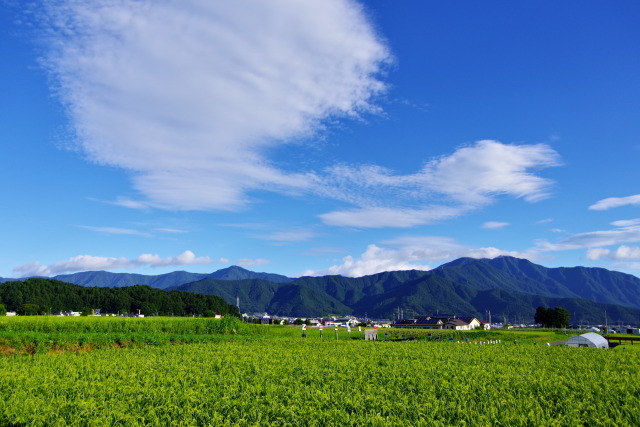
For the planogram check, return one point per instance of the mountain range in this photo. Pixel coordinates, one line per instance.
(105, 279)
(509, 288)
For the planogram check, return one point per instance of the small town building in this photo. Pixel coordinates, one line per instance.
(443, 321)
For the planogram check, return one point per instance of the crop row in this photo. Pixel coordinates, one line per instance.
(330, 383)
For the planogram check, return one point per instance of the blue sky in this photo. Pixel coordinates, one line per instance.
(330, 137)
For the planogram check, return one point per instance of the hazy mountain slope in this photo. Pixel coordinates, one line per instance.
(483, 275)
(425, 295)
(352, 290)
(164, 281)
(238, 273)
(522, 276)
(115, 280)
(255, 295)
(284, 299)
(595, 284)
(517, 308)
(295, 300)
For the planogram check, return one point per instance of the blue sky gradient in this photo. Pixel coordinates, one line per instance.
(316, 138)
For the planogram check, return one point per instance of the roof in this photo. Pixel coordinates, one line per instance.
(426, 320)
(458, 322)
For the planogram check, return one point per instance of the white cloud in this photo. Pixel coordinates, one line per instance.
(252, 262)
(626, 222)
(622, 253)
(468, 179)
(90, 263)
(408, 253)
(190, 95)
(299, 235)
(628, 265)
(185, 258)
(171, 230)
(615, 202)
(593, 239)
(373, 260)
(595, 254)
(378, 217)
(116, 230)
(494, 225)
(475, 173)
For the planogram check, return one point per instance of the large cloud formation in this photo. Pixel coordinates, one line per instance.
(189, 95)
(192, 96)
(91, 262)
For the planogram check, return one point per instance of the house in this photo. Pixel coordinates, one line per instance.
(465, 323)
(462, 324)
(425, 322)
(443, 321)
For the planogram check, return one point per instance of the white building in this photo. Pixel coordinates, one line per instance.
(590, 339)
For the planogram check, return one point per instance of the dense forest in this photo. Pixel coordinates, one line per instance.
(35, 296)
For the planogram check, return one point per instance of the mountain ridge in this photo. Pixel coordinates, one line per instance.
(466, 285)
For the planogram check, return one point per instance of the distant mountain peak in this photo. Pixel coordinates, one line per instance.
(235, 272)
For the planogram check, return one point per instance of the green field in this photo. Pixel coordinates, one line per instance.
(182, 371)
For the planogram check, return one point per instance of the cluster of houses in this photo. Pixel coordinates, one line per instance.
(438, 321)
(443, 321)
(266, 319)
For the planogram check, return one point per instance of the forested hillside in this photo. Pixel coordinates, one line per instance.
(53, 296)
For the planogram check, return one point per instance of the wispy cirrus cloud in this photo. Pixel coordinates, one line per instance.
(378, 217)
(600, 245)
(295, 235)
(592, 239)
(190, 96)
(246, 262)
(494, 225)
(627, 222)
(615, 202)
(449, 186)
(172, 230)
(91, 262)
(117, 230)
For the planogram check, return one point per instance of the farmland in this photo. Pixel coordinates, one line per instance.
(197, 372)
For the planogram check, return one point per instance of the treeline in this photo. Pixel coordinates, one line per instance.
(557, 317)
(36, 296)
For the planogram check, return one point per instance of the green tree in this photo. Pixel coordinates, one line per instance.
(30, 310)
(558, 317)
(541, 317)
(3, 310)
